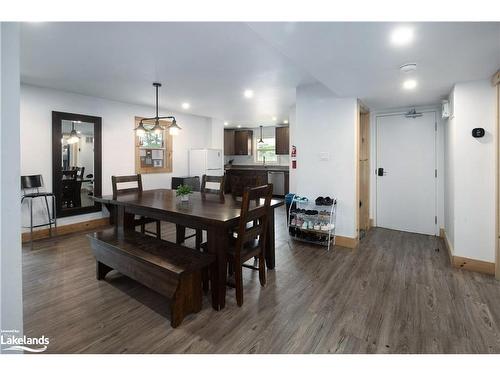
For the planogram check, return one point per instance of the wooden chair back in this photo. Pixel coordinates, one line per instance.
(254, 209)
(70, 174)
(115, 180)
(213, 179)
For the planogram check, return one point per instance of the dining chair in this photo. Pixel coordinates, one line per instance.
(117, 190)
(199, 245)
(219, 180)
(69, 188)
(250, 239)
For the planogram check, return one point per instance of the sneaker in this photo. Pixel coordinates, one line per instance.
(319, 201)
(327, 201)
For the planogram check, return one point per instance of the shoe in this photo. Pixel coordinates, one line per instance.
(327, 201)
(319, 201)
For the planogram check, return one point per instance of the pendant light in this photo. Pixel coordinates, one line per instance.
(73, 136)
(140, 130)
(260, 140)
(173, 129)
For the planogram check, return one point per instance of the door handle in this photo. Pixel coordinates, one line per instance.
(381, 172)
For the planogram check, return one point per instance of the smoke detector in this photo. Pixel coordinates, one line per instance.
(407, 68)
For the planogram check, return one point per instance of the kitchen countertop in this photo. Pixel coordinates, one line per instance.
(258, 167)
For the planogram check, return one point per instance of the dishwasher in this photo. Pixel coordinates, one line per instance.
(277, 178)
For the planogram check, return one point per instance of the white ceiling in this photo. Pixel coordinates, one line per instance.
(209, 65)
(358, 59)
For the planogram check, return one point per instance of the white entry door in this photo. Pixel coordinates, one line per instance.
(406, 173)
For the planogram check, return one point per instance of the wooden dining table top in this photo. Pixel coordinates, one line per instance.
(205, 207)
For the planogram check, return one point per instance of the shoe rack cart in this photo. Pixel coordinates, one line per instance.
(312, 223)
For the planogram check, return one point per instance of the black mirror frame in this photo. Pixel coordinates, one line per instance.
(57, 118)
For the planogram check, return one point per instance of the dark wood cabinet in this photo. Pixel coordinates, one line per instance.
(243, 142)
(238, 178)
(282, 140)
(238, 142)
(228, 142)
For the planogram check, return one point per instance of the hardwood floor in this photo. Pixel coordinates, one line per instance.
(394, 294)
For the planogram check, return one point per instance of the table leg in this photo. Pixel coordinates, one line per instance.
(180, 234)
(270, 241)
(124, 221)
(112, 213)
(217, 244)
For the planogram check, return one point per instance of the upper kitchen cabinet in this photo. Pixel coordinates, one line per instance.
(228, 142)
(238, 142)
(282, 140)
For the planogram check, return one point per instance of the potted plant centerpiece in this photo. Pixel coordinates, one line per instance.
(183, 191)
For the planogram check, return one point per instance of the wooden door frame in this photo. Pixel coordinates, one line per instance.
(362, 109)
(495, 80)
(436, 160)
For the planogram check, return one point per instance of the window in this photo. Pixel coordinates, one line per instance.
(267, 149)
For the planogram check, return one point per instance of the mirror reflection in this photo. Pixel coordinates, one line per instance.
(77, 147)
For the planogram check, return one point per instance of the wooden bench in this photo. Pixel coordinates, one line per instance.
(170, 269)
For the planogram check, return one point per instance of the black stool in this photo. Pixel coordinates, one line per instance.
(33, 183)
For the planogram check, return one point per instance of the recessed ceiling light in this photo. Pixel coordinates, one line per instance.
(186, 105)
(239, 126)
(274, 118)
(226, 123)
(402, 36)
(409, 84)
(285, 121)
(248, 94)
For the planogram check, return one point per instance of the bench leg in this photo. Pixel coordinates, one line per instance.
(187, 298)
(101, 270)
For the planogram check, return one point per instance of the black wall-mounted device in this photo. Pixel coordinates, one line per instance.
(478, 132)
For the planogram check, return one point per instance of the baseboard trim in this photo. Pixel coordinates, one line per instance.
(348, 242)
(474, 265)
(466, 263)
(66, 229)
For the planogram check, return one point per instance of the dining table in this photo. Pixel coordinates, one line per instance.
(209, 212)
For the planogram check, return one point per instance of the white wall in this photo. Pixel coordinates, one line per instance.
(326, 126)
(440, 157)
(37, 105)
(470, 188)
(11, 298)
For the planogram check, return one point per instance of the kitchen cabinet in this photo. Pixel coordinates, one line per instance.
(228, 142)
(238, 178)
(282, 140)
(238, 142)
(243, 140)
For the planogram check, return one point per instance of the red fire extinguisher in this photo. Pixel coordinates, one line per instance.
(294, 157)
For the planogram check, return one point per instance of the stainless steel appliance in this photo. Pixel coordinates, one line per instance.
(277, 178)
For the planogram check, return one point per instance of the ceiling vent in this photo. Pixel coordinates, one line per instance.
(412, 113)
(408, 68)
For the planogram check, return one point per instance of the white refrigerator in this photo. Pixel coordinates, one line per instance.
(205, 161)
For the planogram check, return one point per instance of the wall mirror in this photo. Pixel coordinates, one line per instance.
(76, 162)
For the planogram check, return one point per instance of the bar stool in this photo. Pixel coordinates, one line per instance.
(31, 190)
